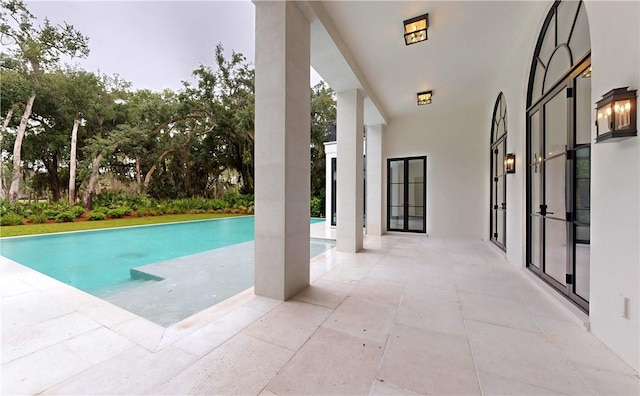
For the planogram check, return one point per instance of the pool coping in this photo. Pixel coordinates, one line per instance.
(138, 329)
(118, 227)
(142, 225)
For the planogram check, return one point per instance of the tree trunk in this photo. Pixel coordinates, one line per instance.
(5, 124)
(138, 176)
(93, 180)
(247, 178)
(52, 171)
(147, 177)
(246, 171)
(14, 191)
(72, 161)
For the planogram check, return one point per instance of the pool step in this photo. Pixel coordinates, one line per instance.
(122, 287)
(141, 275)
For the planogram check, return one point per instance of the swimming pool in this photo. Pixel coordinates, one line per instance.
(96, 261)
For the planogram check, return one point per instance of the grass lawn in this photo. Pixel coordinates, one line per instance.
(34, 229)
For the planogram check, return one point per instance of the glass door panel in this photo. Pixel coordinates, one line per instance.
(536, 234)
(416, 199)
(535, 192)
(582, 223)
(536, 141)
(554, 182)
(583, 269)
(583, 109)
(501, 226)
(396, 195)
(556, 125)
(553, 208)
(555, 249)
(536, 189)
(396, 221)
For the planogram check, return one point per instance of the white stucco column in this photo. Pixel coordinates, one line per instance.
(350, 115)
(375, 221)
(282, 119)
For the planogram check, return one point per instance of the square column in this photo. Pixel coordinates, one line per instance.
(282, 156)
(350, 166)
(375, 222)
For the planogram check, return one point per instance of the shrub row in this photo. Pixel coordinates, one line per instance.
(111, 204)
(37, 212)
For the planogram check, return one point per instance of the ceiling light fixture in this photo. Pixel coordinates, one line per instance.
(415, 29)
(424, 98)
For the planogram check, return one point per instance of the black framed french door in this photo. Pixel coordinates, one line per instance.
(334, 191)
(558, 185)
(407, 194)
(498, 183)
(498, 220)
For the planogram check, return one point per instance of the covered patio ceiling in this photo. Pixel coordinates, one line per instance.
(360, 45)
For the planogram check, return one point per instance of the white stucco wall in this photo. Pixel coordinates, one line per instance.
(615, 188)
(512, 80)
(455, 142)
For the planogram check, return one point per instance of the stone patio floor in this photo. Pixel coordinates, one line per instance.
(408, 315)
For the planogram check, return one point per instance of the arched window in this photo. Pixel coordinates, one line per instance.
(498, 224)
(563, 43)
(559, 152)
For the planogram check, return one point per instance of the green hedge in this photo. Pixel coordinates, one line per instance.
(115, 205)
(10, 219)
(96, 215)
(65, 217)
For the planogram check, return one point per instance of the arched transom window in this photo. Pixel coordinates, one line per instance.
(565, 42)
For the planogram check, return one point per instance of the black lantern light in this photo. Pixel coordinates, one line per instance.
(415, 29)
(616, 115)
(424, 98)
(510, 163)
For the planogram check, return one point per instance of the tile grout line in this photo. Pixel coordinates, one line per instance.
(555, 347)
(466, 332)
(199, 358)
(91, 366)
(333, 309)
(388, 341)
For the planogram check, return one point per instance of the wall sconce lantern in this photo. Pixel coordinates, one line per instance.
(510, 163)
(415, 29)
(616, 115)
(424, 98)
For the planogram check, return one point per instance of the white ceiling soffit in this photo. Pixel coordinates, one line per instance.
(332, 60)
(360, 44)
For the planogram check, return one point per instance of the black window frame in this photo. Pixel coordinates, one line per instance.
(405, 190)
(498, 140)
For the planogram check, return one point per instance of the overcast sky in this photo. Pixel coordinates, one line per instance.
(154, 44)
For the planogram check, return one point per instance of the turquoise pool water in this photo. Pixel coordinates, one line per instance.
(94, 261)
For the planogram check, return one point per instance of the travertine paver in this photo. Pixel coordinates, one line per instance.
(441, 316)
